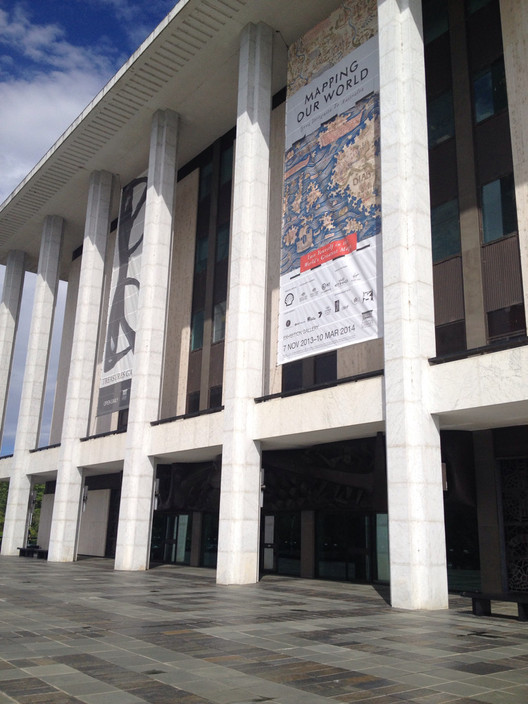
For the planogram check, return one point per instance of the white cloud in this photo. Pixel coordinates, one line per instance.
(34, 113)
(46, 46)
(49, 83)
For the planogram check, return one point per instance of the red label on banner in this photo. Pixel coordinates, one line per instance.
(330, 251)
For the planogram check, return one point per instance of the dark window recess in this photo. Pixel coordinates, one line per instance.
(325, 368)
(211, 263)
(445, 230)
(440, 118)
(489, 91)
(122, 420)
(474, 5)
(215, 397)
(443, 176)
(206, 179)
(499, 211)
(197, 325)
(450, 337)
(292, 376)
(506, 322)
(200, 260)
(435, 19)
(305, 373)
(470, 171)
(222, 242)
(484, 36)
(219, 321)
(193, 402)
(226, 165)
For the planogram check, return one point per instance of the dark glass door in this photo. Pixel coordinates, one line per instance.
(281, 538)
(343, 546)
(171, 538)
(209, 539)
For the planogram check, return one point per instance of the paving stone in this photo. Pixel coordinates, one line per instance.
(80, 632)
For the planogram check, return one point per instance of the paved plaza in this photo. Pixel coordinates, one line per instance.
(81, 632)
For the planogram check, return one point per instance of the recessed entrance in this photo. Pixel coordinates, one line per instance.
(171, 538)
(185, 522)
(325, 512)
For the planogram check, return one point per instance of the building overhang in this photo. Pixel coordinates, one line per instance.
(189, 64)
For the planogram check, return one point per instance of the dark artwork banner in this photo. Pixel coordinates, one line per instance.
(116, 374)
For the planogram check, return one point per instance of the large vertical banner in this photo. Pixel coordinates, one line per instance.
(330, 283)
(116, 376)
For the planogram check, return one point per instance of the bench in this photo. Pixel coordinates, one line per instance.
(481, 602)
(33, 551)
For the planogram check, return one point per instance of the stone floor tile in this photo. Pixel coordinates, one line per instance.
(172, 635)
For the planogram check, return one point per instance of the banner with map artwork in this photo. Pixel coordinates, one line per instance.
(330, 282)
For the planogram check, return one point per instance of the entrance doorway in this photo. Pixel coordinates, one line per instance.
(281, 544)
(171, 538)
(342, 545)
(325, 511)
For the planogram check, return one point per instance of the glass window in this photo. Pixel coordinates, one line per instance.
(292, 376)
(200, 260)
(226, 165)
(197, 325)
(440, 119)
(325, 368)
(222, 243)
(193, 402)
(445, 230)
(450, 337)
(489, 91)
(499, 213)
(474, 5)
(215, 397)
(219, 319)
(206, 179)
(506, 321)
(382, 547)
(435, 19)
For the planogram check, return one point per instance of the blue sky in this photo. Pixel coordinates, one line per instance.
(55, 56)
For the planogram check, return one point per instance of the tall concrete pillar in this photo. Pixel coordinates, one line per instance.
(78, 400)
(9, 312)
(29, 417)
(414, 475)
(238, 539)
(514, 19)
(135, 513)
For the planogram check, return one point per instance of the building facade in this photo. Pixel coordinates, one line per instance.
(295, 241)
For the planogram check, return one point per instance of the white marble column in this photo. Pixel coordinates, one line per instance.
(80, 379)
(238, 540)
(514, 20)
(9, 312)
(414, 477)
(29, 417)
(135, 513)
